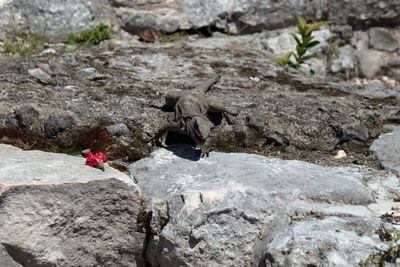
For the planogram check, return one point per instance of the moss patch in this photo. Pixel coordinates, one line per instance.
(25, 46)
(90, 37)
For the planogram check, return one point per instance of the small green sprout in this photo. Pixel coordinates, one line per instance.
(303, 45)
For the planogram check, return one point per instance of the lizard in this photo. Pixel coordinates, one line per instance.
(190, 115)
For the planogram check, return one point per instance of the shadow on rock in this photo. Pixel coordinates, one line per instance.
(184, 151)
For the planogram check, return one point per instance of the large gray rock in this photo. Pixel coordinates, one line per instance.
(238, 16)
(50, 19)
(55, 211)
(387, 148)
(246, 210)
(56, 19)
(344, 62)
(382, 39)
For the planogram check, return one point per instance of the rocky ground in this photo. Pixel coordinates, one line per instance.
(111, 98)
(162, 207)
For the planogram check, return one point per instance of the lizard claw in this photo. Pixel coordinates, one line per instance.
(205, 152)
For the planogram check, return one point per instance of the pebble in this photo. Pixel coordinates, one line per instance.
(340, 154)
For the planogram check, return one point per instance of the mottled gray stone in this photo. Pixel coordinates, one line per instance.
(377, 90)
(301, 242)
(56, 211)
(371, 61)
(134, 21)
(50, 19)
(387, 149)
(118, 129)
(39, 74)
(57, 123)
(345, 61)
(382, 39)
(260, 208)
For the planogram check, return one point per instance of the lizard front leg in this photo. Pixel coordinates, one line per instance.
(206, 148)
(169, 126)
(219, 108)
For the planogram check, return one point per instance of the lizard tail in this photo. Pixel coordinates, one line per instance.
(205, 87)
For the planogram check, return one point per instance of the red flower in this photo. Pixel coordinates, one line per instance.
(96, 160)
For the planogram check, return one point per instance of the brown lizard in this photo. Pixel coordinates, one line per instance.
(190, 115)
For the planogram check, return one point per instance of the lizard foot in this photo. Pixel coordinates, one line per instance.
(205, 152)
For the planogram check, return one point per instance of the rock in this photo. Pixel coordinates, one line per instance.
(387, 149)
(118, 129)
(371, 61)
(259, 210)
(340, 154)
(337, 238)
(40, 75)
(57, 123)
(53, 20)
(134, 21)
(26, 116)
(257, 122)
(376, 90)
(346, 32)
(351, 131)
(382, 39)
(275, 139)
(288, 102)
(56, 211)
(344, 62)
(120, 64)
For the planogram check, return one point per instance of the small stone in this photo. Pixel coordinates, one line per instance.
(382, 39)
(48, 51)
(275, 139)
(388, 81)
(118, 129)
(40, 75)
(97, 76)
(85, 152)
(340, 154)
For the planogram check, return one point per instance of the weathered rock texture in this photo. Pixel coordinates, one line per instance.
(55, 211)
(91, 93)
(53, 20)
(249, 210)
(56, 19)
(387, 148)
(251, 16)
(228, 209)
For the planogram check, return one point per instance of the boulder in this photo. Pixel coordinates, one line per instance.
(248, 210)
(251, 16)
(56, 19)
(382, 39)
(387, 148)
(53, 20)
(56, 211)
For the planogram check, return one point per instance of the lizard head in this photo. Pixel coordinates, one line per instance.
(199, 129)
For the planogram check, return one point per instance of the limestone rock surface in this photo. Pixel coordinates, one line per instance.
(387, 148)
(55, 211)
(248, 210)
(48, 19)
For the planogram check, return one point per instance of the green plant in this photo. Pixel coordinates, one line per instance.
(90, 37)
(390, 255)
(25, 45)
(303, 45)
